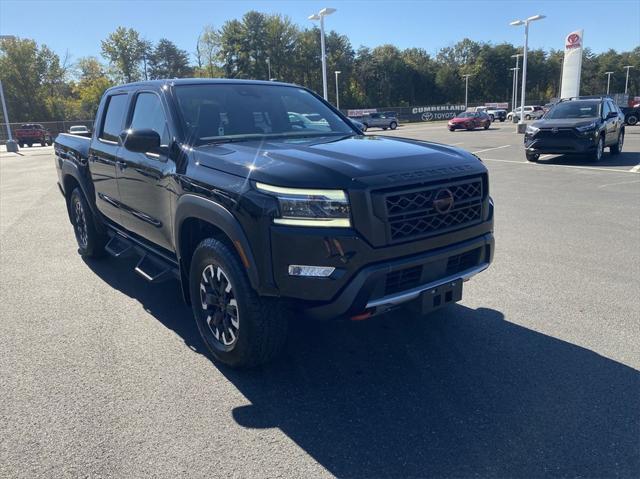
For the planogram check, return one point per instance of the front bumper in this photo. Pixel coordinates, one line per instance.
(572, 145)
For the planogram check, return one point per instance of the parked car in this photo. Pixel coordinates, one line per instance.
(469, 120)
(530, 112)
(577, 126)
(258, 219)
(79, 130)
(303, 122)
(358, 124)
(30, 133)
(494, 113)
(379, 120)
(631, 115)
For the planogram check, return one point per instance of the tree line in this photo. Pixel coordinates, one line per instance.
(40, 85)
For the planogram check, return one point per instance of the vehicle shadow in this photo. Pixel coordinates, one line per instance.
(459, 393)
(624, 159)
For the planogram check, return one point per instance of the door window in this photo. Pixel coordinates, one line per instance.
(149, 114)
(113, 117)
(605, 109)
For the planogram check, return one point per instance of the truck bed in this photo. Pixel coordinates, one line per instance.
(67, 143)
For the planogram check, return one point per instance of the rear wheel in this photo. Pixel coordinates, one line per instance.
(29, 144)
(493, 118)
(532, 157)
(617, 148)
(240, 328)
(452, 128)
(21, 145)
(501, 120)
(597, 154)
(487, 125)
(393, 125)
(90, 241)
(527, 117)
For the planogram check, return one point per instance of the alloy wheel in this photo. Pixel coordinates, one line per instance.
(219, 306)
(80, 224)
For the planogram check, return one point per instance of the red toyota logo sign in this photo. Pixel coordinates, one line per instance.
(573, 41)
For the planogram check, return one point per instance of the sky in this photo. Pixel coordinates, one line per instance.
(79, 26)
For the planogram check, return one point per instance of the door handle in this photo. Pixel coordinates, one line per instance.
(121, 164)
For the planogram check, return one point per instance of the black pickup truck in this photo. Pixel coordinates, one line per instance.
(260, 215)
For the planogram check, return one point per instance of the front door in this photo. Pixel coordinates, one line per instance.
(144, 179)
(103, 156)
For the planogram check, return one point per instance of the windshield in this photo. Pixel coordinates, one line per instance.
(220, 112)
(465, 115)
(574, 109)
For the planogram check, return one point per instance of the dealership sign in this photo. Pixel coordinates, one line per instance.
(433, 112)
(572, 65)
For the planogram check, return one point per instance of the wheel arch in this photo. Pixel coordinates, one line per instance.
(197, 218)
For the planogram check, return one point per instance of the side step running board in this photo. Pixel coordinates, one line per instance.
(153, 270)
(118, 246)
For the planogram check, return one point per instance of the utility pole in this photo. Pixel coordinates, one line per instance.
(320, 16)
(12, 145)
(608, 80)
(466, 90)
(626, 82)
(337, 72)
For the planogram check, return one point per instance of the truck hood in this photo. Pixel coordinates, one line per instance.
(563, 122)
(338, 163)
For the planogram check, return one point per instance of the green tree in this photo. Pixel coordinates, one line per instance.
(168, 61)
(125, 51)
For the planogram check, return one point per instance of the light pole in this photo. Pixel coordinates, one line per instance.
(337, 72)
(626, 82)
(269, 65)
(514, 93)
(466, 90)
(320, 16)
(515, 84)
(12, 145)
(608, 80)
(521, 124)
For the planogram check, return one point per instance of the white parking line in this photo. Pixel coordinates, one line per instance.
(489, 149)
(614, 170)
(635, 169)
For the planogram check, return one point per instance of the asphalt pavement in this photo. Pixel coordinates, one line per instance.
(534, 374)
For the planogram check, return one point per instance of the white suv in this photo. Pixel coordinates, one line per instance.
(531, 112)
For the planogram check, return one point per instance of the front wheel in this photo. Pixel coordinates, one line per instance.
(486, 125)
(90, 240)
(501, 120)
(617, 148)
(493, 118)
(527, 117)
(240, 328)
(452, 128)
(393, 125)
(532, 157)
(364, 127)
(597, 154)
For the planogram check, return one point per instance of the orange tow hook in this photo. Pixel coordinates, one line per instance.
(362, 316)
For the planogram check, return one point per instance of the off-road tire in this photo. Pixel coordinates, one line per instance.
(262, 321)
(632, 120)
(617, 148)
(90, 240)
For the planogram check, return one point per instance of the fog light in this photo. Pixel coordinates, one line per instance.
(312, 271)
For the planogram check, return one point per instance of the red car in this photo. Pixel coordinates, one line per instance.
(31, 133)
(470, 120)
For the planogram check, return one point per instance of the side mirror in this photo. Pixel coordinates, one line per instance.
(141, 141)
(612, 114)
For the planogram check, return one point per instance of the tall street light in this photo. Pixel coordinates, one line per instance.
(320, 16)
(514, 92)
(269, 65)
(516, 23)
(12, 145)
(515, 83)
(608, 80)
(337, 72)
(466, 89)
(626, 82)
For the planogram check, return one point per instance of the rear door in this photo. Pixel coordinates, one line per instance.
(103, 155)
(144, 178)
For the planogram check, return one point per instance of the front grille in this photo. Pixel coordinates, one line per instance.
(561, 133)
(403, 280)
(412, 213)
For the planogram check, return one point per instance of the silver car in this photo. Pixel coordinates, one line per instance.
(379, 120)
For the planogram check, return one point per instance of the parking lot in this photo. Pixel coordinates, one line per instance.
(535, 373)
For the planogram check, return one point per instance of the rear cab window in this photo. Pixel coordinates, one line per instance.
(113, 118)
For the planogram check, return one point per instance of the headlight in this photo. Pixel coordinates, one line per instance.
(532, 130)
(587, 128)
(307, 207)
